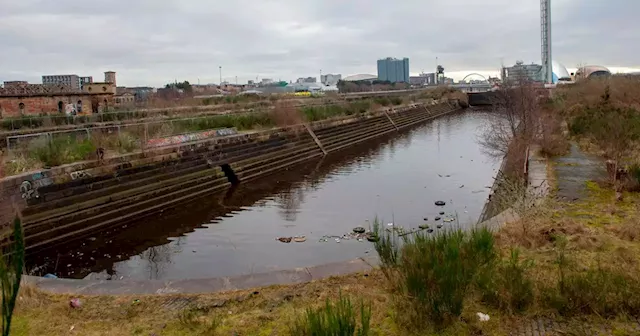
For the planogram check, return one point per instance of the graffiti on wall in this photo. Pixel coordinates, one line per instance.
(179, 139)
(79, 174)
(29, 188)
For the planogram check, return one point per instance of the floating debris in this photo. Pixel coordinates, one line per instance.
(359, 229)
(284, 239)
(423, 226)
(439, 226)
(299, 239)
(389, 224)
(337, 240)
(441, 212)
(430, 230)
(462, 186)
(437, 218)
(372, 237)
(425, 219)
(440, 203)
(449, 219)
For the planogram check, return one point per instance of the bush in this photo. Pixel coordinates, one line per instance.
(334, 319)
(506, 286)
(432, 274)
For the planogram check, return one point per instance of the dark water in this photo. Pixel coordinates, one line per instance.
(396, 178)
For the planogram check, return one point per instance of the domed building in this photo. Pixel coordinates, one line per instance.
(592, 71)
(560, 73)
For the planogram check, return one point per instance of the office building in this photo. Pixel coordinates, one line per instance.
(71, 81)
(521, 72)
(393, 70)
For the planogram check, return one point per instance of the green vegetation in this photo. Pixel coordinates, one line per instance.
(11, 267)
(334, 319)
(315, 113)
(239, 121)
(431, 275)
(60, 150)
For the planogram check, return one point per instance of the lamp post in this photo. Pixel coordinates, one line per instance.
(220, 68)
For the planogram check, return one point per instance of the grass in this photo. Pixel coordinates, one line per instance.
(11, 268)
(334, 319)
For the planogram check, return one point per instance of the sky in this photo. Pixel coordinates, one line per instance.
(152, 42)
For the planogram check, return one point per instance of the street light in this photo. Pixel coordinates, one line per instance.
(220, 68)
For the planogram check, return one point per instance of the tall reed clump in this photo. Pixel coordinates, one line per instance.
(431, 274)
(11, 267)
(334, 319)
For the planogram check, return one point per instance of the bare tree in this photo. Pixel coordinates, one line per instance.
(515, 118)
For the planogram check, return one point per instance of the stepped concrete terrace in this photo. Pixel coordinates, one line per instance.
(111, 193)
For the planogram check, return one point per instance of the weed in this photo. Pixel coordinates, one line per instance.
(333, 319)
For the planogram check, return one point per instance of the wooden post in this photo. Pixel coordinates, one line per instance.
(315, 138)
(391, 120)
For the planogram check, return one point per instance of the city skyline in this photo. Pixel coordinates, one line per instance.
(273, 40)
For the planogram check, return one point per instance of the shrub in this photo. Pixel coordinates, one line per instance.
(432, 274)
(507, 286)
(334, 319)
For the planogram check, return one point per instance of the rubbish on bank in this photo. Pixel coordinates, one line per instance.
(284, 239)
(440, 203)
(423, 226)
(299, 239)
(448, 219)
(482, 317)
(50, 276)
(430, 230)
(439, 226)
(75, 303)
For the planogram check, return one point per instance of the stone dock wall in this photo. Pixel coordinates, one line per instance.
(70, 201)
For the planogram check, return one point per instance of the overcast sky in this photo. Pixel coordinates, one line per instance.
(151, 42)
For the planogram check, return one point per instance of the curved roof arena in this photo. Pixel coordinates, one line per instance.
(360, 77)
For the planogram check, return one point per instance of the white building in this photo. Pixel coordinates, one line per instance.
(330, 79)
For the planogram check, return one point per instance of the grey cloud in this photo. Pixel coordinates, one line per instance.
(150, 42)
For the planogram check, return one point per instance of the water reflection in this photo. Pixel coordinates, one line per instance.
(396, 176)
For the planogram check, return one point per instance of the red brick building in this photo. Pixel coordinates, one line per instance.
(22, 99)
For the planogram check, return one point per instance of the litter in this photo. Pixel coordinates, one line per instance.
(299, 239)
(483, 317)
(440, 203)
(75, 303)
(389, 224)
(284, 239)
